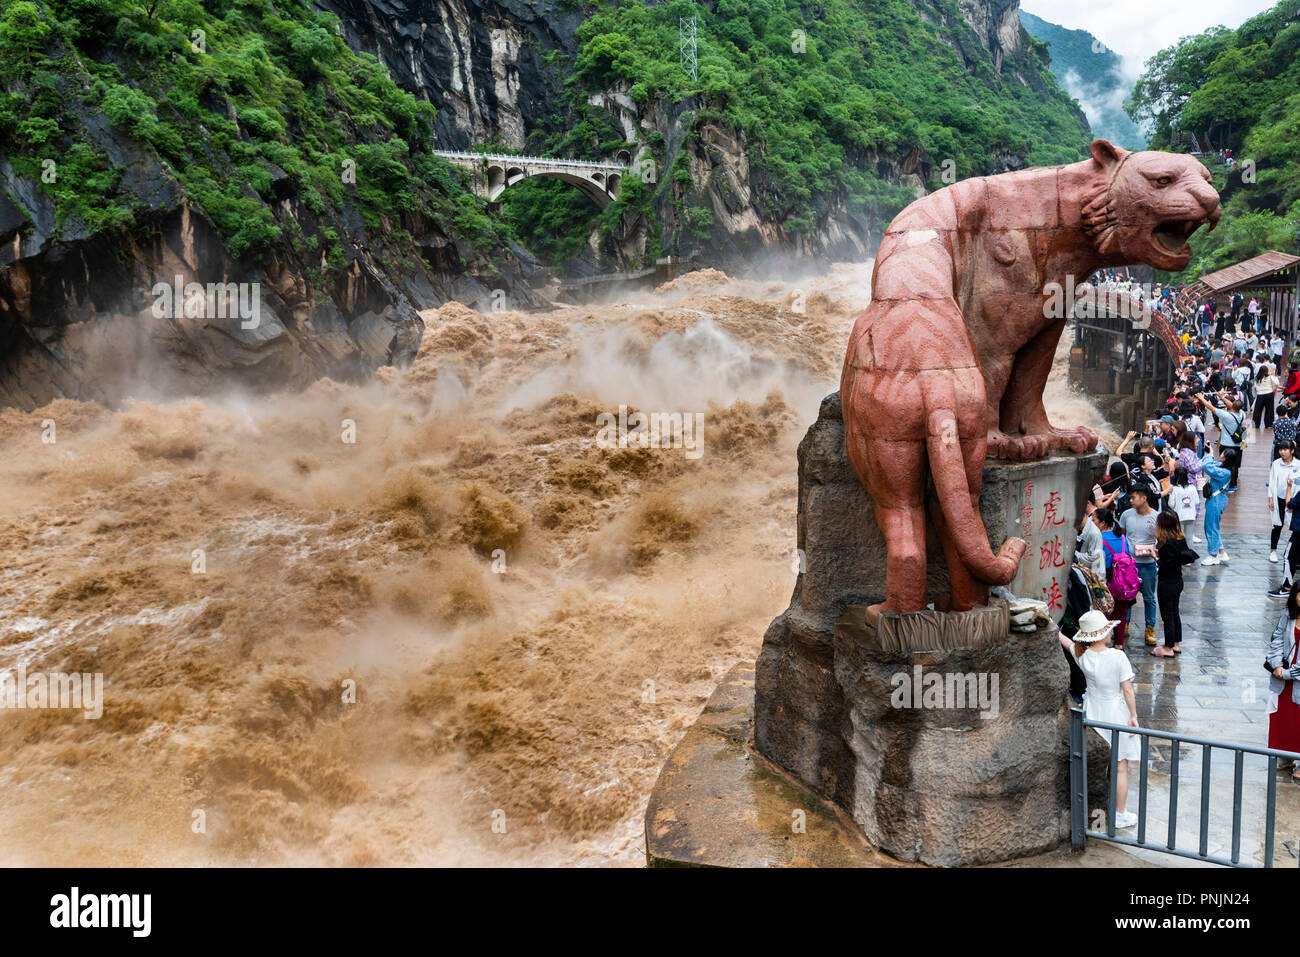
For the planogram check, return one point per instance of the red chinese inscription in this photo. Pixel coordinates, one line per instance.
(1050, 516)
(1050, 555)
(1027, 510)
(1054, 599)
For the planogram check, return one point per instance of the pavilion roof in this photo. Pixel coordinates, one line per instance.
(1249, 270)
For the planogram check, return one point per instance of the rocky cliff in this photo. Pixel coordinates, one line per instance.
(84, 315)
(479, 62)
(122, 176)
(218, 160)
(497, 73)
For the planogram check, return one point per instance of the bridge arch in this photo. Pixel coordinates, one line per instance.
(599, 182)
(592, 187)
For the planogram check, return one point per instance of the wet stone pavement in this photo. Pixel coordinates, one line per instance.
(1218, 687)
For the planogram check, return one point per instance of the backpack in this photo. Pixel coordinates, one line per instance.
(1237, 433)
(1102, 600)
(1292, 383)
(1125, 582)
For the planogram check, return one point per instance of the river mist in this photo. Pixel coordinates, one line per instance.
(527, 621)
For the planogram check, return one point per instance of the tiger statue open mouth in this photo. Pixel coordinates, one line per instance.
(1148, 205)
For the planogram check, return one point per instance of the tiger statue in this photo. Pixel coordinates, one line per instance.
(948, 363)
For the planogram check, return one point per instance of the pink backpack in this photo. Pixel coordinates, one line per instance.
(1125, 582)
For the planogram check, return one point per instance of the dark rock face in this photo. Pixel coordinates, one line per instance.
(945, 785)
(80, 320)
(77, 310)
(744, 239)
(480, 63)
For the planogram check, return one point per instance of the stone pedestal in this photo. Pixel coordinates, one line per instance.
(957, 757)
(941, 785)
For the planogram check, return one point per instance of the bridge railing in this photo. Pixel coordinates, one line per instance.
(608, 277)
(506, 158)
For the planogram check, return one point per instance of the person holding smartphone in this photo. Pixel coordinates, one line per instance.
(1185, 500)
(1217, 477)
(1232, 423)
(1283, 474)
(1154, 478)
(1292, 564)
(1189, 458)
(1109, 486)
(1139, 527)
(1112, 544)
(1173, 554)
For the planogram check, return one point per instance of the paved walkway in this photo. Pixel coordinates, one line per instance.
(1218, 687)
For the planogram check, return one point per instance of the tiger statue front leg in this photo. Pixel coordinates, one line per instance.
(1023, 432)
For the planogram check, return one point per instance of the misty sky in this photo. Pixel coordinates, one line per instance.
(1136, 30)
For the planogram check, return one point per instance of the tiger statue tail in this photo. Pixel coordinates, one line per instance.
(958, 507)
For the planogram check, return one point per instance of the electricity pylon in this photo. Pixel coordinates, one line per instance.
(686, 30)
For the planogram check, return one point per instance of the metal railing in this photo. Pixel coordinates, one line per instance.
(1079, 831)
(608, 277)
(506, 159)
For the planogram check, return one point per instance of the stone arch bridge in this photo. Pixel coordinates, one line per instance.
(494, 173)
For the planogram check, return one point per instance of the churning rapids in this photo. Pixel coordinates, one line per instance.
(543, 687)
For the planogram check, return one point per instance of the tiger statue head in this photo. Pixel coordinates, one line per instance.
(1146, 205)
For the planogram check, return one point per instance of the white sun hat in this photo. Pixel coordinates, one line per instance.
(1093, 627)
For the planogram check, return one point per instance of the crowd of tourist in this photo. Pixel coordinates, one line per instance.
(1171, 483)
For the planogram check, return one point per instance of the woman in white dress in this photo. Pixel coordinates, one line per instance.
(1109, 696)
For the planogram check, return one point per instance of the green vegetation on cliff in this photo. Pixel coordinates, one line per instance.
(873, 78)
(244, 102)
(825, 98)
(1239, 90)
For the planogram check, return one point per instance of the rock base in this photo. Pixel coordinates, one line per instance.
(951, 784)
(959, 756)
(718, 804)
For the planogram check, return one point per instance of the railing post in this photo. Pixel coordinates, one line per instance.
(1078, 782)
(1271, 816)
(1142, 791)
(1237, 770)
(1173, 794)
(1114, 782)
(1205, 799)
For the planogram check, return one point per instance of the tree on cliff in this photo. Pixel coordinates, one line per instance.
(1234, 90)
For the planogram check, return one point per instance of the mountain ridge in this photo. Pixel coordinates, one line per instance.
(1094, 75)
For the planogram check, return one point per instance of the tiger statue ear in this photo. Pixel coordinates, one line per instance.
(1106, 154)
